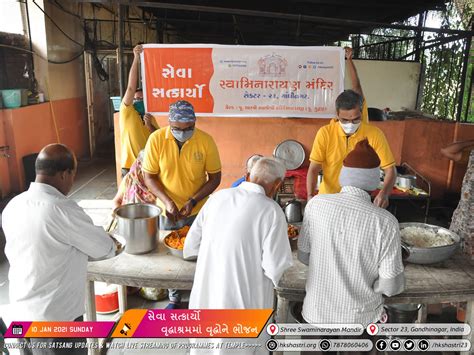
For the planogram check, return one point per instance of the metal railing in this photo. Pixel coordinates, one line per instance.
(446, 74)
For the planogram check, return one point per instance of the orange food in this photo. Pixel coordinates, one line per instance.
(176, 238)
(292, 231)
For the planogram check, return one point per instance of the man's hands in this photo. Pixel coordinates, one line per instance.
(132, 77)
(172, 211)
(381, 200)
(137, 50)
(348, 52)
(174, 214)
(186, 210)
(148, 119)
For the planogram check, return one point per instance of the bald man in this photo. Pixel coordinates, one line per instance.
(49, 239)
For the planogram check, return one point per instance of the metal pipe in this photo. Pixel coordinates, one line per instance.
(463, 76)
(278, 15)
(120, 50)
(419, 36)
(469, 107)
(29, 35)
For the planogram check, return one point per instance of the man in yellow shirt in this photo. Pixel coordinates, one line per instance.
(134, 130)
(334, 141)
(182, 168)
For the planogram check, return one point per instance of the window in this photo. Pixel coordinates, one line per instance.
(12, 21)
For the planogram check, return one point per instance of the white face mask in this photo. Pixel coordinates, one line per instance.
(349, 128)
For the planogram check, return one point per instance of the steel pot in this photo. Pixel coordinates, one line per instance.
(293, 211)
(138, 223)
(402, 313)
(406, 181)
(434, 254)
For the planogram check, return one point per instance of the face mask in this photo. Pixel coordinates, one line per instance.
(139, 107)
(349, 128)
(182, 136)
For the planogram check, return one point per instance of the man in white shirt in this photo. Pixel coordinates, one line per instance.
(48, 241)
(351, 246)
(241, 238)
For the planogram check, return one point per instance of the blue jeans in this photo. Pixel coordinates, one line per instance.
(165, 223)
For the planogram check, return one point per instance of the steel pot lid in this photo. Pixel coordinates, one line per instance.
(291, 153)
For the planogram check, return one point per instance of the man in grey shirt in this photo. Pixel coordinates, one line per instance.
(352, 248)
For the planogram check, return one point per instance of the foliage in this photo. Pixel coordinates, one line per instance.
(442, 59)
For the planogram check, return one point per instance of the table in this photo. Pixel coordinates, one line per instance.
(398, 195)
(156, 269)
(450, 281)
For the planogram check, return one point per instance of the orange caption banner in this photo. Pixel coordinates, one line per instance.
(189, 323)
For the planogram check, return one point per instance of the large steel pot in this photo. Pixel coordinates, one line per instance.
(402, 313)
(434, 254)
(138, 223)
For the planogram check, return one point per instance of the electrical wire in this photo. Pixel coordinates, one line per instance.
(40, 56)
(59, 28)
(59, 6)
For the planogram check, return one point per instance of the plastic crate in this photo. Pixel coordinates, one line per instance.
(116, 100)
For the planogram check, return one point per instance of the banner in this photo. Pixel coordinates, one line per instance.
(192, 323)
(250, 81)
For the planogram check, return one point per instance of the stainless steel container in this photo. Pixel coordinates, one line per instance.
(406, 181)
(138, 223)
(293, 211)
(402, 313)
(434, 254)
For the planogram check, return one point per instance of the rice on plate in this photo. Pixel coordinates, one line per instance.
(424, 238)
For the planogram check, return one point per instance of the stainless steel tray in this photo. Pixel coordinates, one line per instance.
(291, 153)
(434, 254)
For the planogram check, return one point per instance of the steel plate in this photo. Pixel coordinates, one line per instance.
(291, 153)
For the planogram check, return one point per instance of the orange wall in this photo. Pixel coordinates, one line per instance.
(415, 141)
(239, 138)
(30, 128)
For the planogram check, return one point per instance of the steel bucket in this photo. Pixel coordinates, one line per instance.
(139, 224)
(402, 313)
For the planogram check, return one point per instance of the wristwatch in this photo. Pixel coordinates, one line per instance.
(193, 202)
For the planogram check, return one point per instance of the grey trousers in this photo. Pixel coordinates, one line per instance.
(173, 294)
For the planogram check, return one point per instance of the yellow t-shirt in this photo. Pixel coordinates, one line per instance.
(182, 173)
(365, 112)
(332, 145)
(133, 134)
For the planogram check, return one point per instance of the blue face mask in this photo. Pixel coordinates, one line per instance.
(139, 107)
(182, 136)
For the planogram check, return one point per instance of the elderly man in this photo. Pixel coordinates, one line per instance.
(334, 141)
(248, 166)
(351, 246)
(241, 238)
(49, 239)
(182, 168)
(135, 124)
